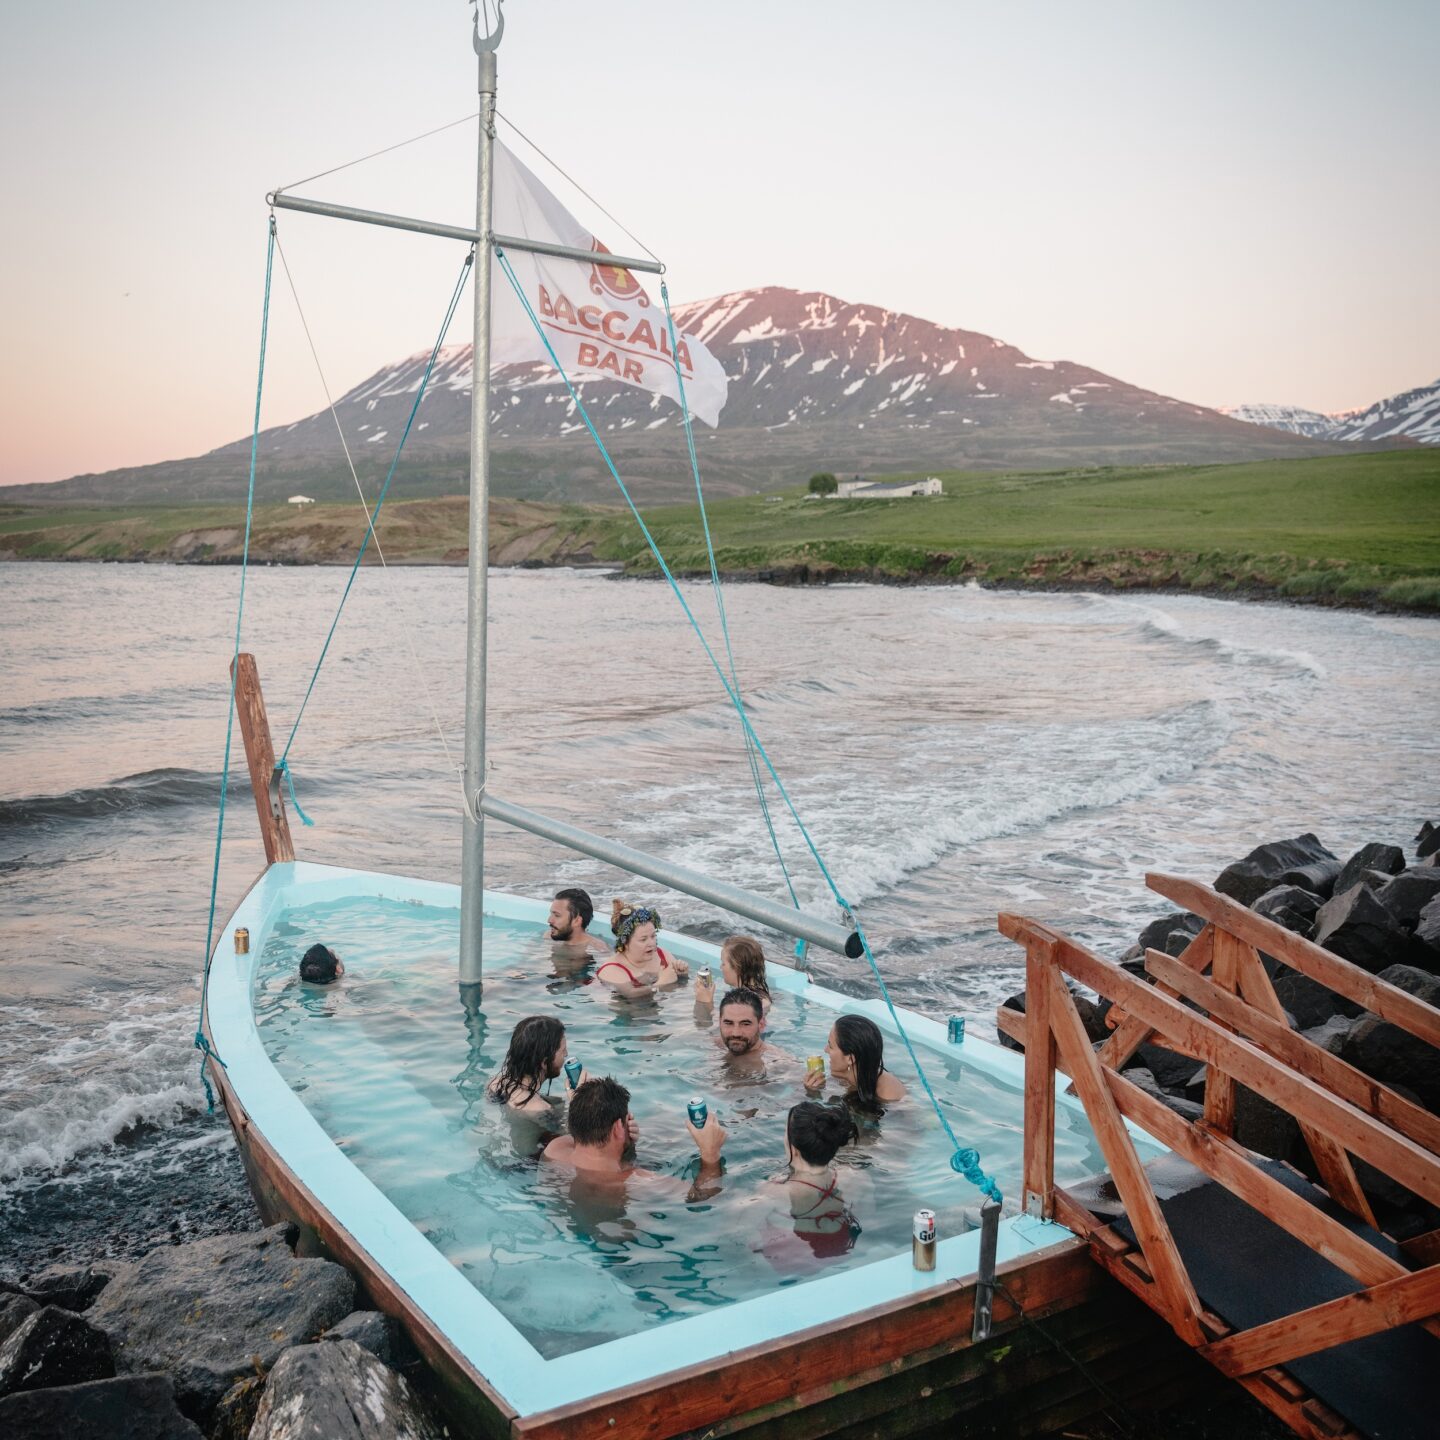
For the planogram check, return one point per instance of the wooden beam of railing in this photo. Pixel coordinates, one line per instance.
(1038, 1186)
(1382, 1307)
(1336, 1171)
(1229, 1164)
(1401, 1158)
(1220, 1087)
(260, 757)
(1130, 1033)
(1376, 995)
(1301, 1054)
(1174, 1293)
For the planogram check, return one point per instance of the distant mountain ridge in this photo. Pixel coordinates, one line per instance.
(815, 383)
(1410, 415)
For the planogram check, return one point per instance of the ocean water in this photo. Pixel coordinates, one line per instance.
(955, 752)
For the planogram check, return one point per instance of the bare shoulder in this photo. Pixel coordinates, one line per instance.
(561, 1149)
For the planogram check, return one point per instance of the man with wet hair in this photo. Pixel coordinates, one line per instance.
(569, 920)
(320, 965)
(742, 1031)
(603, 1134)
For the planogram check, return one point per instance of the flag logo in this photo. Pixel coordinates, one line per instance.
(615, 280)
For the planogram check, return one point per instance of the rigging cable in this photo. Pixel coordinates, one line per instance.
(399, 145)
(283, 763)
(365, 505)
(964, 1159)
(202, 1043)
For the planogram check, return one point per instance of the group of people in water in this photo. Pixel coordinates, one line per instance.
(590, 1127)
(600, 1134)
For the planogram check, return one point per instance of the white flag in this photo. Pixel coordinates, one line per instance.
(598, 318)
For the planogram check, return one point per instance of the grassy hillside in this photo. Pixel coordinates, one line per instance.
(1361, 528)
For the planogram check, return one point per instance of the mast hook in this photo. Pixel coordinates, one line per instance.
(491, 39)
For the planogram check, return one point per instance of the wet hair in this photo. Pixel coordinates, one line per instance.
(319, 965)
(581, 906)
(740, 995)
(594, 1109)
(749, 961)
(817, 1131)
(861, 1040)
(625, 919)
(533, 1043)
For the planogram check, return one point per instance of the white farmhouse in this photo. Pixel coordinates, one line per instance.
(877, 490)
(301, 500)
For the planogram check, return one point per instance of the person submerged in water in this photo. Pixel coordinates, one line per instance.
(742, 1031)
(603, 1135)
(742, 964)
(569, 920)
(639, 966)
(856, 1052)
(536, 1057)
(320, 965)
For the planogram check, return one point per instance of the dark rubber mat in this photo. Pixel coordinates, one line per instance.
(1248, 1270)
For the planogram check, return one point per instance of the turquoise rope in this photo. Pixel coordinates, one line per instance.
(719, 593)
(201, 1043)
(370, 526)
(965, 1161)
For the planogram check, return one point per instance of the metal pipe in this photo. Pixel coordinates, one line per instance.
(985, 1282)
(789, 921)
(472, 850)
(281, 201)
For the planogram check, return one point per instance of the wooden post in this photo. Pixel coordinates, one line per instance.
(260, 755)
(1220, 1087)
(1038, 1188)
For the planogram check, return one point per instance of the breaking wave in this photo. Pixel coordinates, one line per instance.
(149, 790)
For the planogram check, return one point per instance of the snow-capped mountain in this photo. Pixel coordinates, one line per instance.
(816, 383)
(1413, 415)
(1294, 418)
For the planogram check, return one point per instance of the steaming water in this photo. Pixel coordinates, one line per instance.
(955, 752)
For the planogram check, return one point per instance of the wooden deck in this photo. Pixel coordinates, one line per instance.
(1216, 1004)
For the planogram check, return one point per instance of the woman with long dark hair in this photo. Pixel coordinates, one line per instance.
(536, 1057)
(856, 1055)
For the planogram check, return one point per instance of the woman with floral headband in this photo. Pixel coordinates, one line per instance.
(639, 966)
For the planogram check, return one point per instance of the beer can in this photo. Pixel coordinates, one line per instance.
(706, 976)
(922, 1243)
(573, 1069)
(242, 940)
(956, 1030)
(698, 1111)
(815, 1062)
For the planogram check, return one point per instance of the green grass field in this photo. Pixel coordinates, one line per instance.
(1361, 529)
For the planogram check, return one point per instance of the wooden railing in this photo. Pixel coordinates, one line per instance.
(1242, 1038)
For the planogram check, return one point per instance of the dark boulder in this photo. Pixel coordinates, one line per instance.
(1266, 866)
(1141, 1077)
(1318, 877)
(339, 1392)
(1408, 893)
(1172, 1072)
(1393, 1056)
(234, 1416)
(1160, 934)
(1092, 1016)
(211, 1311)
(1308, 1002)
(1265, 1127)
(1427, 842)
(72, 1287)
(131, 1407)
(1427, 926)
(376, 1332)
(1330, 1035)
(1290, 906)
(15, 1309)
(53, 1347)
(1357, 927)
(1390, 859)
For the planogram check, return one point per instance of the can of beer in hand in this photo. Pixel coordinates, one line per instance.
(242, 940)
(698, 1111)
(573, 1069)
(956, 1031)
(813, 1063)
(706, 977)
(922, 1242)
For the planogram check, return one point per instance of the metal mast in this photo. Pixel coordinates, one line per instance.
(472, 863)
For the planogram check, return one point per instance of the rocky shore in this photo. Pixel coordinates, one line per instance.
(1378, 909)
(228, 1337)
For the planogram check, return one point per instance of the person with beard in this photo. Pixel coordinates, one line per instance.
(742, 1031)
(536, 1057)
(569, 920)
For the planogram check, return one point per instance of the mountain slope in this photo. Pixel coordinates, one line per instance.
(816, 383)
(1411, 415)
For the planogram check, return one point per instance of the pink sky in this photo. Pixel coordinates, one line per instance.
(1223, 202)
